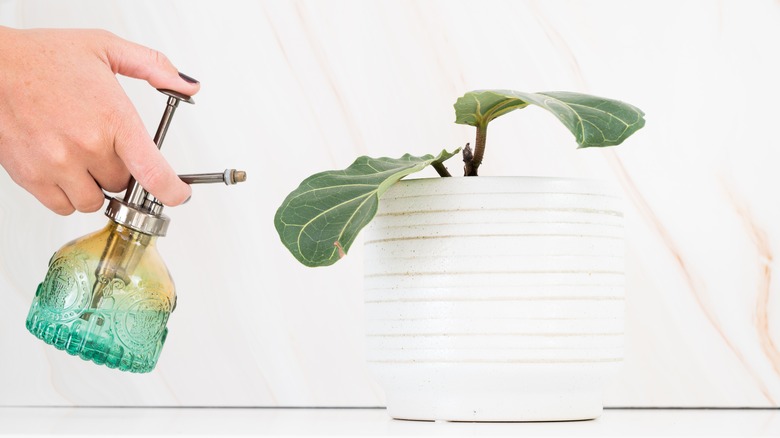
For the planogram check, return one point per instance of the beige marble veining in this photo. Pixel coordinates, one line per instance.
(765, 260)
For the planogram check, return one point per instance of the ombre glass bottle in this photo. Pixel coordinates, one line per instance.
(106, 298)
(108, 295)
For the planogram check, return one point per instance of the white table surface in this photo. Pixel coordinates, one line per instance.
(369, 422)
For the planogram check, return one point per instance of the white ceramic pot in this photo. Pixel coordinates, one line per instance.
(495, 298)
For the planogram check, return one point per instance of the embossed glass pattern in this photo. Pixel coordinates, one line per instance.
(106, 298)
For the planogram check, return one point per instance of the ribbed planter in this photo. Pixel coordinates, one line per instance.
(495, 298)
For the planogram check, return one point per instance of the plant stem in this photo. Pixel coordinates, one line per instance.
(442, 171)
(468, 156)
(479, 148)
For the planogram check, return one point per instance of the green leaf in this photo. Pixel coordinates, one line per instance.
(324, 215)
(594, 121)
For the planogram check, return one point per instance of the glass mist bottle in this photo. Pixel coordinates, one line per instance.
(107, 296)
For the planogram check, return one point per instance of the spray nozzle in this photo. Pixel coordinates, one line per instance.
(140, 210)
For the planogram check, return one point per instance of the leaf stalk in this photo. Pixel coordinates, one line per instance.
(472, 165)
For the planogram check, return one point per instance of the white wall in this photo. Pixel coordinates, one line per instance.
(290, 88)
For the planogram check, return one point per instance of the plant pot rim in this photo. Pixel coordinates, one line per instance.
(509, 184)
(508, 177)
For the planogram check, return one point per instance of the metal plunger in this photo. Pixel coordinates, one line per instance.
(142, 212)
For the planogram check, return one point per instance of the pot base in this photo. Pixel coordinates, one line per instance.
(494, 392)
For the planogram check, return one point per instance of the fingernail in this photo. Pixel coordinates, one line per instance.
(189, 79)
(186, 200)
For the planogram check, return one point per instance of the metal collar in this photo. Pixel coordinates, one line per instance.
(135, 219)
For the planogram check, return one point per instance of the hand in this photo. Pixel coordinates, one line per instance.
(67, 129)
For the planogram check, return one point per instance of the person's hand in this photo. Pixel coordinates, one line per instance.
(67, 129)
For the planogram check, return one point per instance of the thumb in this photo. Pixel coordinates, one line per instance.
(145, 162)
(140, 62)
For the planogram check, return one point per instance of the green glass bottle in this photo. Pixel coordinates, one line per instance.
(106, 298)
(108, 295)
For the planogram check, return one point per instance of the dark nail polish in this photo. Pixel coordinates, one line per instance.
(188, 78)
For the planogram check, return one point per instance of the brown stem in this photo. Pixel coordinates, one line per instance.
(479, 149)
(468, 158)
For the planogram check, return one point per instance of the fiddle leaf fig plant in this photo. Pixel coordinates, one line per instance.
(319, 221)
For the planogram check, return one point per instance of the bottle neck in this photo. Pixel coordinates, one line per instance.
(130, 235)
(124, 249)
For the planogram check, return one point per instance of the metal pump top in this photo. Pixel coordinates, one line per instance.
(141, 211)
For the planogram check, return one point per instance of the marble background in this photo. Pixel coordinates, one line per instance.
(292, 87)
